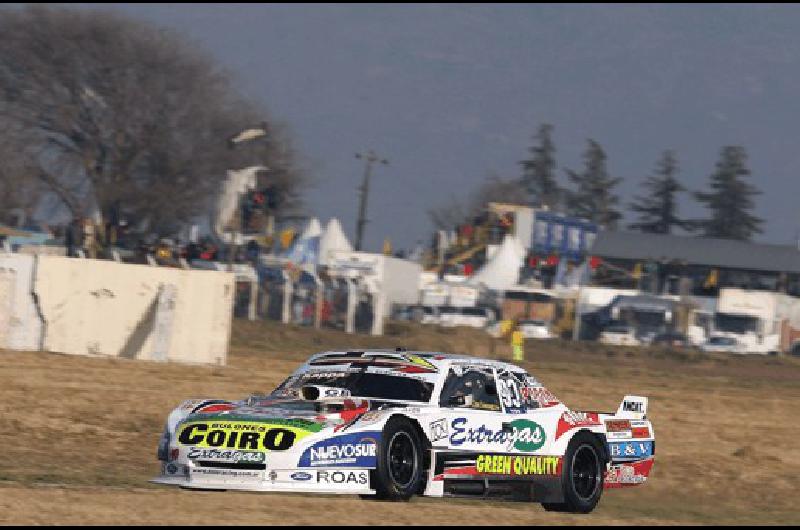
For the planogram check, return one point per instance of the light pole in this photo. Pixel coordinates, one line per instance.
(369, 158)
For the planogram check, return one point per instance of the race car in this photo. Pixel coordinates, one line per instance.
(391, 424)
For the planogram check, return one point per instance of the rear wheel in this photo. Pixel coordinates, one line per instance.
(582, 476)
(400, 470)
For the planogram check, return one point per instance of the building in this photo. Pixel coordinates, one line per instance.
(672, 264)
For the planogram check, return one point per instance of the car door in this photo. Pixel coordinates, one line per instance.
(474, 423)
(530, 427)
(506, 438)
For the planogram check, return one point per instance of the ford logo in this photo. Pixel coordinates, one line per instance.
(301, 476)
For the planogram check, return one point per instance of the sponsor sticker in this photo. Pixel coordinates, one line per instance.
(629, 474)
(301, 476)
(640, 432)
(225, 475)
(633, 450)
(573, 419)
(517, 465)
(351, 477)
(633, 406)
(272, 435)
(523, 435)
(618, 425)
(619, 435)
(227, 456)
(538, 396)
(439, 430)
(347, 450)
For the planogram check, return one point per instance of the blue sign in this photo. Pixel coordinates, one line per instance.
(559, 234)
(630, 450)
(347, 450)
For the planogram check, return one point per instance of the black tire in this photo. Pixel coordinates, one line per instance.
(400, 471)
(583, 472)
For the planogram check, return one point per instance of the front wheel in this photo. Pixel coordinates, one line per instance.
(400, 472)
(582, 476)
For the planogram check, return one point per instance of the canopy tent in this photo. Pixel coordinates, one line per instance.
(502, 270)
(332, 240)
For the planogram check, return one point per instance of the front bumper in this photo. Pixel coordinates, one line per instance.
(326, 481)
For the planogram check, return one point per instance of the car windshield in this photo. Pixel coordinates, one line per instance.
(732, 323)
(362, 384)
(532, 323)
(722, 341)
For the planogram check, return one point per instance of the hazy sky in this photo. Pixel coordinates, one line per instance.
(451, 94)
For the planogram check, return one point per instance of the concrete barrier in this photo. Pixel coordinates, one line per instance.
(134, 311)
(20, 322)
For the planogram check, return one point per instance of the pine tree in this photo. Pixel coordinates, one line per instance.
(538, 172)
(658, 210)
(593, 198)
(730, 200)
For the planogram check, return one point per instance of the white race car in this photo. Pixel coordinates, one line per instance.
(392, 424)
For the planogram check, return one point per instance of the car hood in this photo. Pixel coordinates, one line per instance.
(270, 409)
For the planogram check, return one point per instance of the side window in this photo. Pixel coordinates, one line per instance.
(470, 387)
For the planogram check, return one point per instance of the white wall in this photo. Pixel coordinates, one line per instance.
(20, 324)
(134, 311)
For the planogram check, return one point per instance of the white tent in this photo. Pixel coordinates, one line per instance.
(502, 270)
(333, 239)
(313, 229)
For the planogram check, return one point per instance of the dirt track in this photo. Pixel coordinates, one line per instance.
(79, 435)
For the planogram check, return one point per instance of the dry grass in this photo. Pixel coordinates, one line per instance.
(79, 434)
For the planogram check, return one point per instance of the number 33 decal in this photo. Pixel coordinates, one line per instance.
(509, 393)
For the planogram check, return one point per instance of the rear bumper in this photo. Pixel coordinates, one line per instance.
(628, 474)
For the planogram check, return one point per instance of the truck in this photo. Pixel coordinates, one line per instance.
(761, 322)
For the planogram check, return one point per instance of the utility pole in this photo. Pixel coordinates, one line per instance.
(370, 158)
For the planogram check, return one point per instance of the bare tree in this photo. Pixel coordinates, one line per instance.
(115, 113)
(20, 188)
(494, 189)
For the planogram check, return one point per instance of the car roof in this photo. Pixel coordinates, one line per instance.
(435, 358)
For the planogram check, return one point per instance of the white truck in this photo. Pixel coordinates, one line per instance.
(759, 321)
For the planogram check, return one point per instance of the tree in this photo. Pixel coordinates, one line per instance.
(730, 200)
(593, 198)
(20, 189)
(112, 111)
(539, 176)
(494, 189)
(658, 209)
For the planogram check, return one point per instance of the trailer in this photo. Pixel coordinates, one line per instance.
(760, 321)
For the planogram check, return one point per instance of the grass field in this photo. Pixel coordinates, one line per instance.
(79, 434)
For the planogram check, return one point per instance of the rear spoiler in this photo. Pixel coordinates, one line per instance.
(633, 408)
